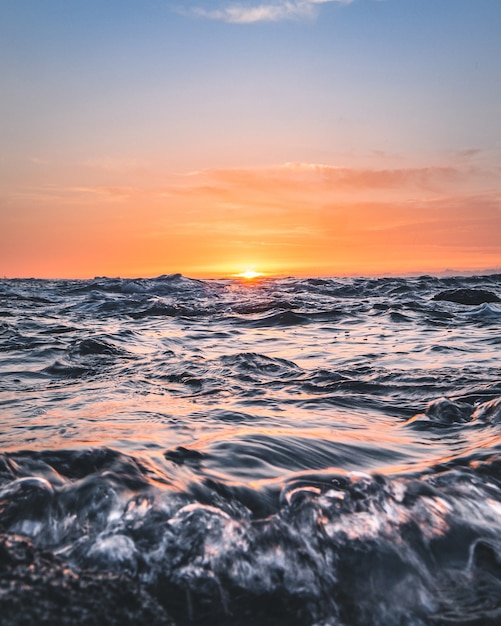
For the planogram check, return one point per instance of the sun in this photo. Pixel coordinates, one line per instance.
(249, 274)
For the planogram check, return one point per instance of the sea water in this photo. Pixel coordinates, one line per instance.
(297, 451)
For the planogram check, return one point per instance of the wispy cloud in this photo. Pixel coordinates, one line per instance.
(299, 176)
(273, 11)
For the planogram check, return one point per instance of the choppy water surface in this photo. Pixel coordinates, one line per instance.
(288, 451)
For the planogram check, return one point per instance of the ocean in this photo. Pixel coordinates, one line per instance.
(278, 451)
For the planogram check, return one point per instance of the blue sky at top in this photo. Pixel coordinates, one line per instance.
(404, 76)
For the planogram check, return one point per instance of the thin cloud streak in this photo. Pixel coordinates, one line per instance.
(270, 12)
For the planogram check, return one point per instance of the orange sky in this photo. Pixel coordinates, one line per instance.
(294, 218)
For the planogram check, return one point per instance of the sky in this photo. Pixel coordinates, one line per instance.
(209, 137)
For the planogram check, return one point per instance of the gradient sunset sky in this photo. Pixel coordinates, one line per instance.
(298, 137)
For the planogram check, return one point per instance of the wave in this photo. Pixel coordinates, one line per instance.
(330, 546)
(467, 296)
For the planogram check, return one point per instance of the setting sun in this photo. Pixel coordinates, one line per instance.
(249, 274)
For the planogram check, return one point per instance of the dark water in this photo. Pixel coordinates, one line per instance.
(280, 451)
